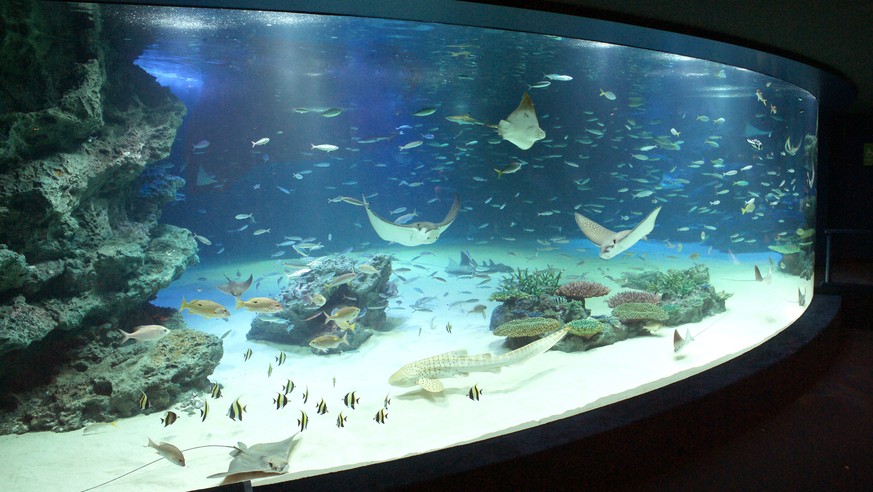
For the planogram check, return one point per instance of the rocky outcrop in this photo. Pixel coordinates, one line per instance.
(95, 379)
(317, 292)
(80, 243)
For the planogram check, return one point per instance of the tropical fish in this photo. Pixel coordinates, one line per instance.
(270, 370)
(303, 421)
(324, 147)
(510, 168)
(464, 120)
(351, 399)
(288, 387)
(341, 420)
(414, 234)
(102, 427)
(343, 314)
(205, 308)
(386, 401)
(260, 305)
(281, 400)
(381, 415)
(306, 395)
(261, 232)
(411, 145)
(328, 342)
(427, 372)
(260, 141)
(558, 77)
(145, 333)
(340, 280)
(321, 407)
(425, 112)
(216, 391)
(474, 392)
(235, 411)
(480, 308)
(608, 94)
(521, 126)
(281, 358)
(169, 418)
(202, 239)
(248, 354)
(243, 217)
(169, 452)
(749, 207)
(204, 411)
(144, 402)
(332, 112)
(234, 288)
(679, 342)
(614, 243)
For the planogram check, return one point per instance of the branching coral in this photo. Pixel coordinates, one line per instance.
(626, 296)
(522, 284)
(582, 290)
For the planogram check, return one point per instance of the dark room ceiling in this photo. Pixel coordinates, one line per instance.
(834, 34)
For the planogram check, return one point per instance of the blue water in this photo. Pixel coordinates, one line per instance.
(246, 76)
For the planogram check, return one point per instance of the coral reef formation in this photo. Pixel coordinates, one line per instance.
(527, 327)
(585, 328)
(633, 296)
(686, 295)
(313, 295)
(581, 290)
(80, 244)
(631, 312)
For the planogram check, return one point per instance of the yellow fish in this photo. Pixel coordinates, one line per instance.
(207, 309)
(260, 305)
(327, 342)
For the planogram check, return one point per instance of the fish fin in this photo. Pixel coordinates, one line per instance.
(126, 336)
(239, 302)
(430, 385)
(184, 305)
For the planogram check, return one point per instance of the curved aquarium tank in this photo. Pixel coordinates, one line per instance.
(243, 244)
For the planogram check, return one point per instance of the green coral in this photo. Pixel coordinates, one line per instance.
(673, 284)
(639, 311)
(585, 328)
(785, 249)
(527, 327)
(522, 284)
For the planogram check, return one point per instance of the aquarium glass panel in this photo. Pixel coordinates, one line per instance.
(286, 244)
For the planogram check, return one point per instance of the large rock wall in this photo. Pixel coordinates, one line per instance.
(80, 246)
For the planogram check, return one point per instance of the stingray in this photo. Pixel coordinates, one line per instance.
(521, 126)
(270, 458)
(416, 233)
(614, 243)
(235, 289)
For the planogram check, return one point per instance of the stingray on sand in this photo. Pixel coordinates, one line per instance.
(614, 243)
(521, 126)
(270, 458)
(234, 288)
(416, 233)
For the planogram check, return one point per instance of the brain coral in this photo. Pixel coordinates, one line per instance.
(527, 327)
(639, 311)
(582, 290)
(626, 296)
(585, 328)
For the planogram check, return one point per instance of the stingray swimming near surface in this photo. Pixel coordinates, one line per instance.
(416, 233)
(521, 126)
(234, 288)
(614, 243)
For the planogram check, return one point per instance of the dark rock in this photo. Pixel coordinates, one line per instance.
(100, 381)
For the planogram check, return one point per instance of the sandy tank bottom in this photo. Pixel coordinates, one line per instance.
(546, 388)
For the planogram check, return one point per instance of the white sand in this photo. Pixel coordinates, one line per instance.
(546, 388)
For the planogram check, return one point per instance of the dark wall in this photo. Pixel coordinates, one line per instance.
(846, 185)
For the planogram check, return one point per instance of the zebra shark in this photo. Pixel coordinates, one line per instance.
(427, 372)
